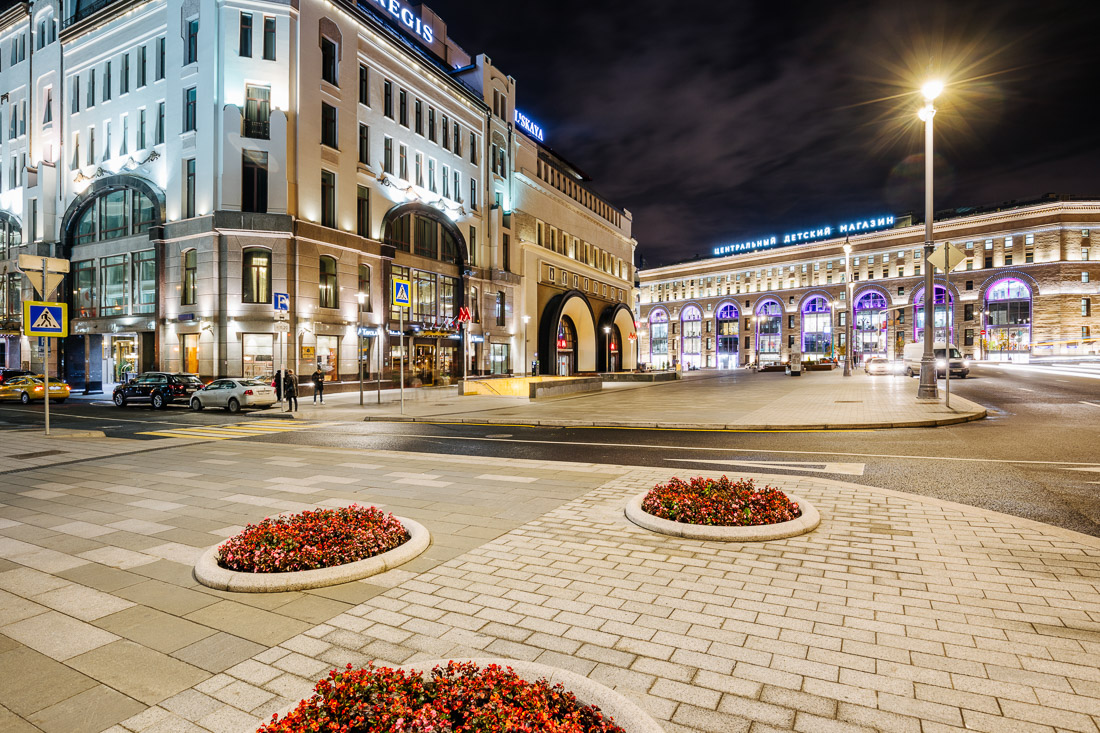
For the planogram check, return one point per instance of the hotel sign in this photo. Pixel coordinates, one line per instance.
(528, 125)
(406, 17)
(809, 235)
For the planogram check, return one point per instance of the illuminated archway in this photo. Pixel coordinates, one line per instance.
(691, 336)
(727, 319)
(817, 328)
(658, 338)
(943, 309)
(574, 305)
(870, 326)
(1007, 319)
(769, 330)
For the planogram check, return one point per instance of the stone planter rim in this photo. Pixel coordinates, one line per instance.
(211, 574)
(809, 520)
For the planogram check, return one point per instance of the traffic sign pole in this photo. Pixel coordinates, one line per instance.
(46, 361)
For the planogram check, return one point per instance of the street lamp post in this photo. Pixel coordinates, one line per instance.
(361, 297)
(847, 311)
(607, 348)
(928, 389)
(526, 320)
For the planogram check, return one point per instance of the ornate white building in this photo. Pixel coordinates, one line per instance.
(196, 160)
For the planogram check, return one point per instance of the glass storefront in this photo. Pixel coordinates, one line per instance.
(691, 320)
(658, 339)
(728, 336)
(567, 347)
(1007, 319)
(328, 355)
(769, 330)
(189, 353)
(499, 359)
(817, 328)
(943, 320)
(870, 326)
(258, 354)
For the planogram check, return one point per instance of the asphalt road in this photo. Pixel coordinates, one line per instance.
(1036, 456)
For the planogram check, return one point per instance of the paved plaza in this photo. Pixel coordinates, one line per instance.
(899, 613)
(737, 400)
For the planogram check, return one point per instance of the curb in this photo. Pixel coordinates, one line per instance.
(211, 574)
(755, 533)
(627, 715)
(642, 424)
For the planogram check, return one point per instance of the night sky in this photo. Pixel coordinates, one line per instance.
(716, 123)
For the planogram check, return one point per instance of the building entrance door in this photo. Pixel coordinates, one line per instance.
(727, 352)
(567, 347)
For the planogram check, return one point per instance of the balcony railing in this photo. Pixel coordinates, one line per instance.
(256, 129)
(84, 10)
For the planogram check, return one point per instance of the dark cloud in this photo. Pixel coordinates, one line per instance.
(715, 123)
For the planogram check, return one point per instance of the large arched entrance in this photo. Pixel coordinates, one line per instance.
(727, 319)
(943, 316)
(870, 325)
(1007, 319)
(616, 347)
(581, 354)
(658, 339)
(113, 277)
(769, 331)
(691, 337)
(817, 328)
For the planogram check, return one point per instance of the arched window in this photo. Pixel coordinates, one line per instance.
(423, 236)
(769, 329)
(817, 328)
(364, 289)
(1007, 317)
(728, 336)
(190, 277)
(870, 325)
(256, 275)
(658, 338)
(691, 346)
(118, 213)
(943, 316)
(327, 283)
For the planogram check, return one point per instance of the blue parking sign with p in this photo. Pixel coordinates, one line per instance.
(401, 291)
(282, 301)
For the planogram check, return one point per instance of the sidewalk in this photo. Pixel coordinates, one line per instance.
(706, 400)
(899, 613)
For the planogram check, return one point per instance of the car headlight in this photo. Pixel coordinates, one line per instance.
(966, 363)
(940, 363)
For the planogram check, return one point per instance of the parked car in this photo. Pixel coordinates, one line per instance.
(32, 387)
(6, 374)
(878, 365)
(159, 389)
(233, 393)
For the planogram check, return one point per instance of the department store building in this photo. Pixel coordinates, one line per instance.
(205, 165)
(1028, 286)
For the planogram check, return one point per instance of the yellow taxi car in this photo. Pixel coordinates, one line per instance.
(28, 388)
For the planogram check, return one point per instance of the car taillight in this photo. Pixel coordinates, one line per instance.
(248, 391)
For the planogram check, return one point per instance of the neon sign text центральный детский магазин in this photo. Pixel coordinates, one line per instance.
(808, 235)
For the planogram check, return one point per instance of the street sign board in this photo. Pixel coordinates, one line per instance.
(401, 293)
(282, 327)
(45, 319)
(31, 266)
(946, 258)
(282, 301)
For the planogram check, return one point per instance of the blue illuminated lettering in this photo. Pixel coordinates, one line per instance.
(408, 18)
(808, 235)
(528, 125)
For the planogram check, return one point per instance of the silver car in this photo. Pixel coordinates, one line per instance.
(234, 393)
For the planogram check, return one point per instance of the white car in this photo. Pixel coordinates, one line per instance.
(234, 393)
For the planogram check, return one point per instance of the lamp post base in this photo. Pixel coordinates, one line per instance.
(928, 389)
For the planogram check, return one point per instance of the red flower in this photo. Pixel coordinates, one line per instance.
(719, 502)
(312, 539)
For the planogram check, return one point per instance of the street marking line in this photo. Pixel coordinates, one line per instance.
(1090, 404)
(636, 427)
(199, 437)
(737, 450)
(848, 469)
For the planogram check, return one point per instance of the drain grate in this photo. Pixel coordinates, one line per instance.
(39, 454)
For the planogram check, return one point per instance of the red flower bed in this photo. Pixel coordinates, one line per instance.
(458, 698)
(312, 539)
(719, 502)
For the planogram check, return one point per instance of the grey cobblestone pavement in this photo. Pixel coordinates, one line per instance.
(899, 613)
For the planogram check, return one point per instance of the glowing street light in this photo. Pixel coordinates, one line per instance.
(928, 388)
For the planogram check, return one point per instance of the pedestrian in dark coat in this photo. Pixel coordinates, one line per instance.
(290, 390)
(318, 386)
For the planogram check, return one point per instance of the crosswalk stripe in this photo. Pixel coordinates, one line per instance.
(237, 430)
(178, 435)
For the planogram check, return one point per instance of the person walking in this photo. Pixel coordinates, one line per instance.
(290, 390)
(318, 385)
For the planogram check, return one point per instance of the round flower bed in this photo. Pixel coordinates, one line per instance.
(720, 509)
(312, 549)
(456, 697)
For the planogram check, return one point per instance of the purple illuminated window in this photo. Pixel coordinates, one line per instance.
(728, 312)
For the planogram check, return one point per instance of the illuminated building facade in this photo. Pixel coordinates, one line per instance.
(1028, 287)
(197, 161)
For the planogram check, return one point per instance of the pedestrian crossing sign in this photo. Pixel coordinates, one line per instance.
(45, 319)
(401, 290)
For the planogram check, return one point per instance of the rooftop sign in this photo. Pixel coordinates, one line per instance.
(809, 235)
(406, 17)
(528, 125)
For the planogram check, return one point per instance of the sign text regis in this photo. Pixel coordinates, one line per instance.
(407, 18)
